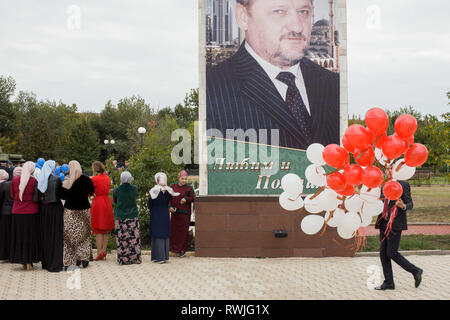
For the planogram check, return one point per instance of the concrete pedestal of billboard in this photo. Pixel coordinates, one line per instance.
(240, 226)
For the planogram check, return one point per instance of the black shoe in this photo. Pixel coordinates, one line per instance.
(385, 286)
(182, 253)
(78, 263)
(418, 277)
(85, 264)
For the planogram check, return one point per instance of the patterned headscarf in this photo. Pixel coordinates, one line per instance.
(45, 172)
(27, 171)
(182, 173)
(126, 177)
(75, 172)
(161, 185)
(4, 176)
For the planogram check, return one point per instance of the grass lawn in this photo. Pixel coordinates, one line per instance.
(431, 204)
(413, 242)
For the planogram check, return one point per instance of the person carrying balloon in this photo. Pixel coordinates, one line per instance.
(389, 242)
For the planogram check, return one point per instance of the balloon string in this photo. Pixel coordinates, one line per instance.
(318, 192)
(402, 163)
(391, 220)
(329, 173)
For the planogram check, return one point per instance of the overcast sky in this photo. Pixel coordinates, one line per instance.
(398, 51)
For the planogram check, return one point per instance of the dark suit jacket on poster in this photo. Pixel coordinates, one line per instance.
(240, 95)
(400, 221)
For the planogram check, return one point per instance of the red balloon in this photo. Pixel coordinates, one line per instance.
(353, 174)
(405, 125)
(393, 147)
(416, 155)
(371, 136)
(335, 156)
(348, 191)
(365, 157)
(357, 137)
(410, 140)
(380, 139)
(336, 181)
(346, 145)
(372, 177)
(405, 143)
(377, 120)
(392, 190)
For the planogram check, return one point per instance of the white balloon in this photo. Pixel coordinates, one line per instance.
(313, 205)
(292, 184)
(380, 156)
(404, 173)
(338, 214)
(316, 175)
(345, 233)
(351, 221)
(366, 220)
(289, 202)
(354, 203)
(370, 196)
(312, 224)
(373, 209)
(314, 154)
(328, 200)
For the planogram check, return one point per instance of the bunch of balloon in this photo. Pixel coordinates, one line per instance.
(367, 161)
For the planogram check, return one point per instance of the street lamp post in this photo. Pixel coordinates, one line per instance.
(108, 142)
(141, 131)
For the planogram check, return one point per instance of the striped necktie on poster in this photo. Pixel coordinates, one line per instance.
(296, 105)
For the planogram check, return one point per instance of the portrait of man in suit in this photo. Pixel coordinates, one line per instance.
(269, 83)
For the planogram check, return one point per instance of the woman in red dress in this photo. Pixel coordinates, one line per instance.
(180, 207)
(102, 214)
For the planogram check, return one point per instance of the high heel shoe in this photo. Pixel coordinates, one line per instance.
(101, 256)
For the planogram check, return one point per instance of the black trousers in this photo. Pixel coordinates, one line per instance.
(389, 251)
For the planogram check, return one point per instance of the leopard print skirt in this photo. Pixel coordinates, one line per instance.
(77, 236)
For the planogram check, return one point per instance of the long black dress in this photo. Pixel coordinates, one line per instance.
(6, 203)
(52, 226)
(160, 226)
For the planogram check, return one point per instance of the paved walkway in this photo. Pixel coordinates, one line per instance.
(228, 279)
(416, 229)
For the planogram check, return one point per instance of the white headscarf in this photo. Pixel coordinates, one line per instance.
(45, 172)
(75, 172)
(4, 176)
(161, 185)
(126, 177)
(27, 171)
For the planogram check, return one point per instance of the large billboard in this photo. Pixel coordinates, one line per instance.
(273, 81)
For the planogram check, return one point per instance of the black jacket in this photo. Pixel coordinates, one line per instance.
(53, 192)
(77, 196)
(240, 95)
(6, 202)
(400, 222)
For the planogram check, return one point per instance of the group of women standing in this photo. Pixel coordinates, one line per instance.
(36, 227)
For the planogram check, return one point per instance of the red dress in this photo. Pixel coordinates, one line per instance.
(180, 220)
(102, 214)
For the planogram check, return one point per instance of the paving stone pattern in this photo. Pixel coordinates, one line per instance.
(195, 278)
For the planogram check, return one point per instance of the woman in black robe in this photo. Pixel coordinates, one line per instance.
(51, 218)
(6, 203)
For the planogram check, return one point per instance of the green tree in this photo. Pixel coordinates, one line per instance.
(7, 110)
(82, 144)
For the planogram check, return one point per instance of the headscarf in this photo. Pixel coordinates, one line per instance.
(75, 172)
(4, 176)
(161, 185)
(126, 177)
(17, 171)
(45, 172)
(27, 171)
(182, 173)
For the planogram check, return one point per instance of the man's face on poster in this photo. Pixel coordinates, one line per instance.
(278, 30)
